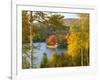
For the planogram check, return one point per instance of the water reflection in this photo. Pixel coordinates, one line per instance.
(39, 50)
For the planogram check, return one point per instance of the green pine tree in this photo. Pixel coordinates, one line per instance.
(44, 60)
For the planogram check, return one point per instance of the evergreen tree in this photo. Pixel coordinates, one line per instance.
(44, 61)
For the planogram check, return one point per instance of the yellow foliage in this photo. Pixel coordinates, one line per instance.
(84, 23)
(73, 42)
(53, 58)
(72, 49)
(79, 36)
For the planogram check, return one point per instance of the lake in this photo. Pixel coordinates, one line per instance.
(40, 49)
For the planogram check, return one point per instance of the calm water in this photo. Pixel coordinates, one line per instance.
(41, 48)
(38, 53)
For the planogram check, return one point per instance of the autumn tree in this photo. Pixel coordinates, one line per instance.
(84, 23)
(53, 59)
(25, 27)
(74, 42)
(78, 41)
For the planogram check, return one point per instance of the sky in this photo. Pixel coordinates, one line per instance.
(70, 15)
(67, 15)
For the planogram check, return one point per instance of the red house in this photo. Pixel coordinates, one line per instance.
(52, 40)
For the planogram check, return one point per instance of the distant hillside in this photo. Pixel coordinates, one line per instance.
(72, 21)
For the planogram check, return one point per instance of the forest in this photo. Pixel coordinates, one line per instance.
(50, 39)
